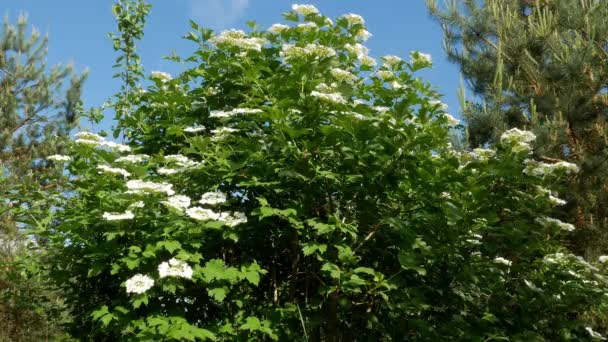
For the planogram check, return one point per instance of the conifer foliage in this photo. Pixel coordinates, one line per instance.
(38, 107)
(541, 65)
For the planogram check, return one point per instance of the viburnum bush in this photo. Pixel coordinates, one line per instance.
(290, 187)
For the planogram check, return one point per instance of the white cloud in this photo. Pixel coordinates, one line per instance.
(217, 14)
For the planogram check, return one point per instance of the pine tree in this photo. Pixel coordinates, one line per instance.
(39, 105)
(540, 65)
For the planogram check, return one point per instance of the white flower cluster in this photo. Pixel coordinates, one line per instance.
(353, 19)
(180, 160)
(178, 202)
(142, 187)
(113, 170)
(391, 61)
(175, 268)
(595, 334)
(307, 26)
(343, 75)
(193, 129)
(452, 121)
(233, 219)
(421, 58)
(316, 51)
(362, 54)
(603, 259)
(222, 132)
(236, 111)
(213, 198)
(59, 158)
(384, 75)
(555, 258)
(133, 158)
(277, 28)
(363, 34)
(139, 283)
(540, 169)
(329, 97)
(552, 222)
(161, 76)
(483, 154)
(552, 199)
(93, 139)
(519, 140)
(127, 215)
(304, 9)
(202, 214)
(501, 260)
(238, 39)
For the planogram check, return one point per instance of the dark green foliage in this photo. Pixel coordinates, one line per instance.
(37, 111)
(362, 223)
(541, 65)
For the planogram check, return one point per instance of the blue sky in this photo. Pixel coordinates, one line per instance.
(78, 33)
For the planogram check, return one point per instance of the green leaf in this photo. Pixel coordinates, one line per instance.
(218, 293)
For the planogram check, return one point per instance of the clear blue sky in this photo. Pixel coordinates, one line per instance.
(78, 33)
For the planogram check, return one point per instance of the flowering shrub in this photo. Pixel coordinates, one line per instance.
(290, 187)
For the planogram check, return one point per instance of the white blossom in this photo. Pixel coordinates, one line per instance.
(89, 136)
(202, 214)
(358, 49)
(603, 259)
(193, 129)
(180, 160)
(316, 51)
(396, 85)
(381, 109)
(59, 158)
(166, 171)
(233, 219)
(519, 140)
(329, 97)
(277, 28)
(238, 39)
(175, 268)
(304, 9)
(364, 35)
(179, 202)
(140, 186)
(213, 198)
(501, 260)
(594, 334)
(236, 111)
(391, 61)
(222, 132)
(139, 283)
(308, 26)
(132, 158)
(483, 154)
(552, 222)
(452, 121)
(113, 170)
(384, 75)
(540, 169)
(161, 76)
(115, 146)
(367, 61)
(343, 75)
(353, 19)
(127, 215)
(419, 57)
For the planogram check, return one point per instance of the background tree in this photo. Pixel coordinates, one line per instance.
(37, 111)
(541, 65)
